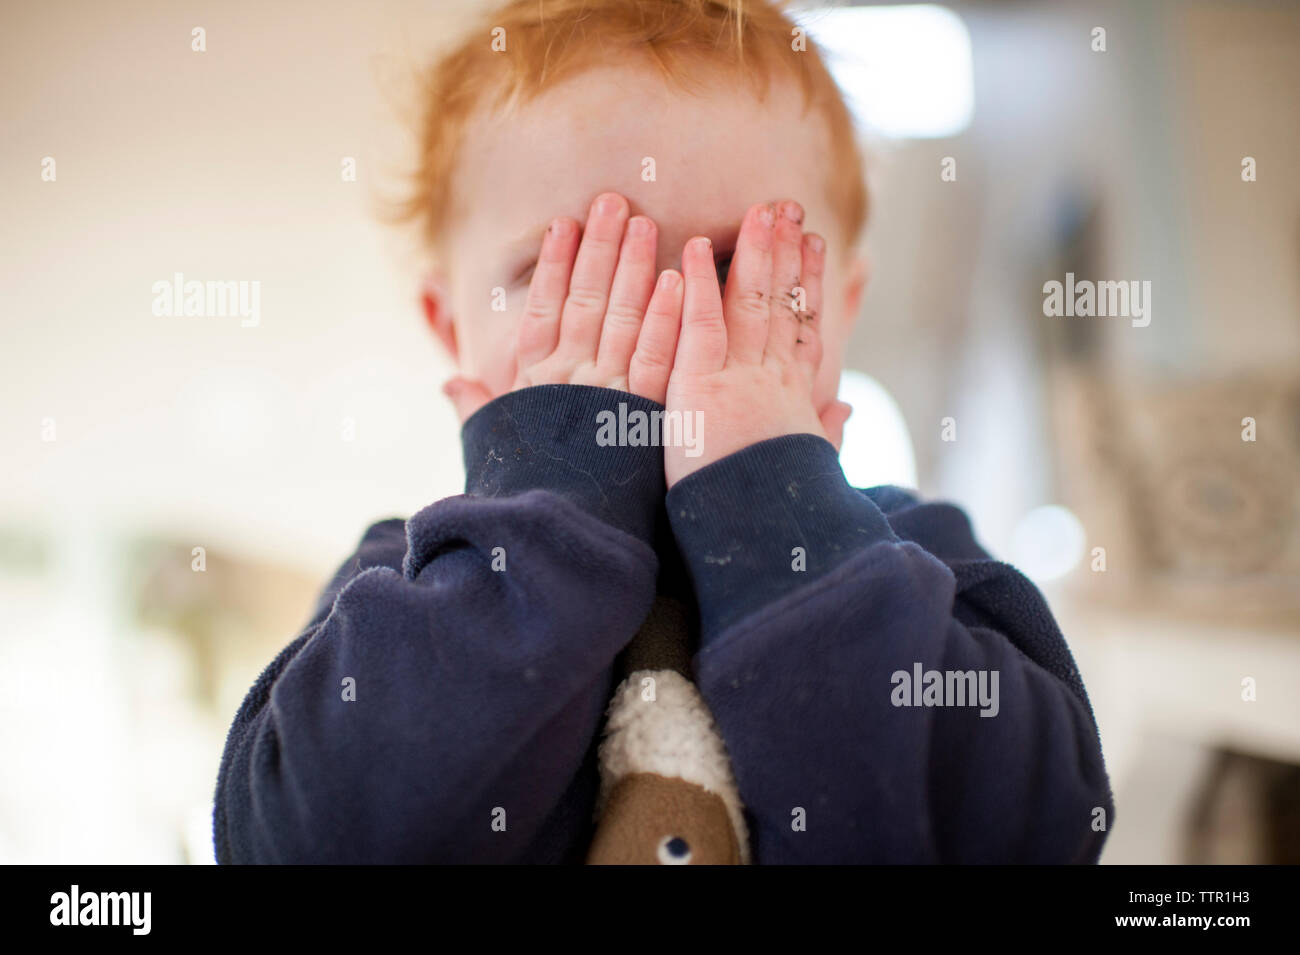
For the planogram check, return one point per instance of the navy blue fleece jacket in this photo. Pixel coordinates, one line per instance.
(478, 640)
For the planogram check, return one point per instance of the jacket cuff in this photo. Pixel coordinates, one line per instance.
(550, 437)
(738, 521)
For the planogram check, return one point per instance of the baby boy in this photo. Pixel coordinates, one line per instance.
(655, 206)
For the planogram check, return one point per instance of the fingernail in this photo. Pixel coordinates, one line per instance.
(609, 203)
(817, 244)
(668, 280)
(767, 215)
(792, 211)
(638, 226)
(703, 244)
(559, 227)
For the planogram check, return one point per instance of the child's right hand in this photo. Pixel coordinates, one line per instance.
(598, 319)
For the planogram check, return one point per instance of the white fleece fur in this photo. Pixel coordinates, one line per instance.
(673, 736)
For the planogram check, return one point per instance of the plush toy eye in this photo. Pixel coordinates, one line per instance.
(674, 850)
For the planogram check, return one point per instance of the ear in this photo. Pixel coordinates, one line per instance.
(437, 311)
(859, 271)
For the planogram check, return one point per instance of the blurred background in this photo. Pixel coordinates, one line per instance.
(176, 490)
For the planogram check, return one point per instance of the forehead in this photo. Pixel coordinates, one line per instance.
(691, 161)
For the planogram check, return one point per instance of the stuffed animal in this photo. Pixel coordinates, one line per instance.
(667, 794)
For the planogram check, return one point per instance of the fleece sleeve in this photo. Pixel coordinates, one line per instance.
(883, 699)
(440, 706)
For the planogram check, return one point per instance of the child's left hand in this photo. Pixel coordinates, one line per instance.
(746, 364)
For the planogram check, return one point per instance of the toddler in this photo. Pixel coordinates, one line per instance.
(655, 206)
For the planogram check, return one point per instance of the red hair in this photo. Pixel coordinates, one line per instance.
(547, 41)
